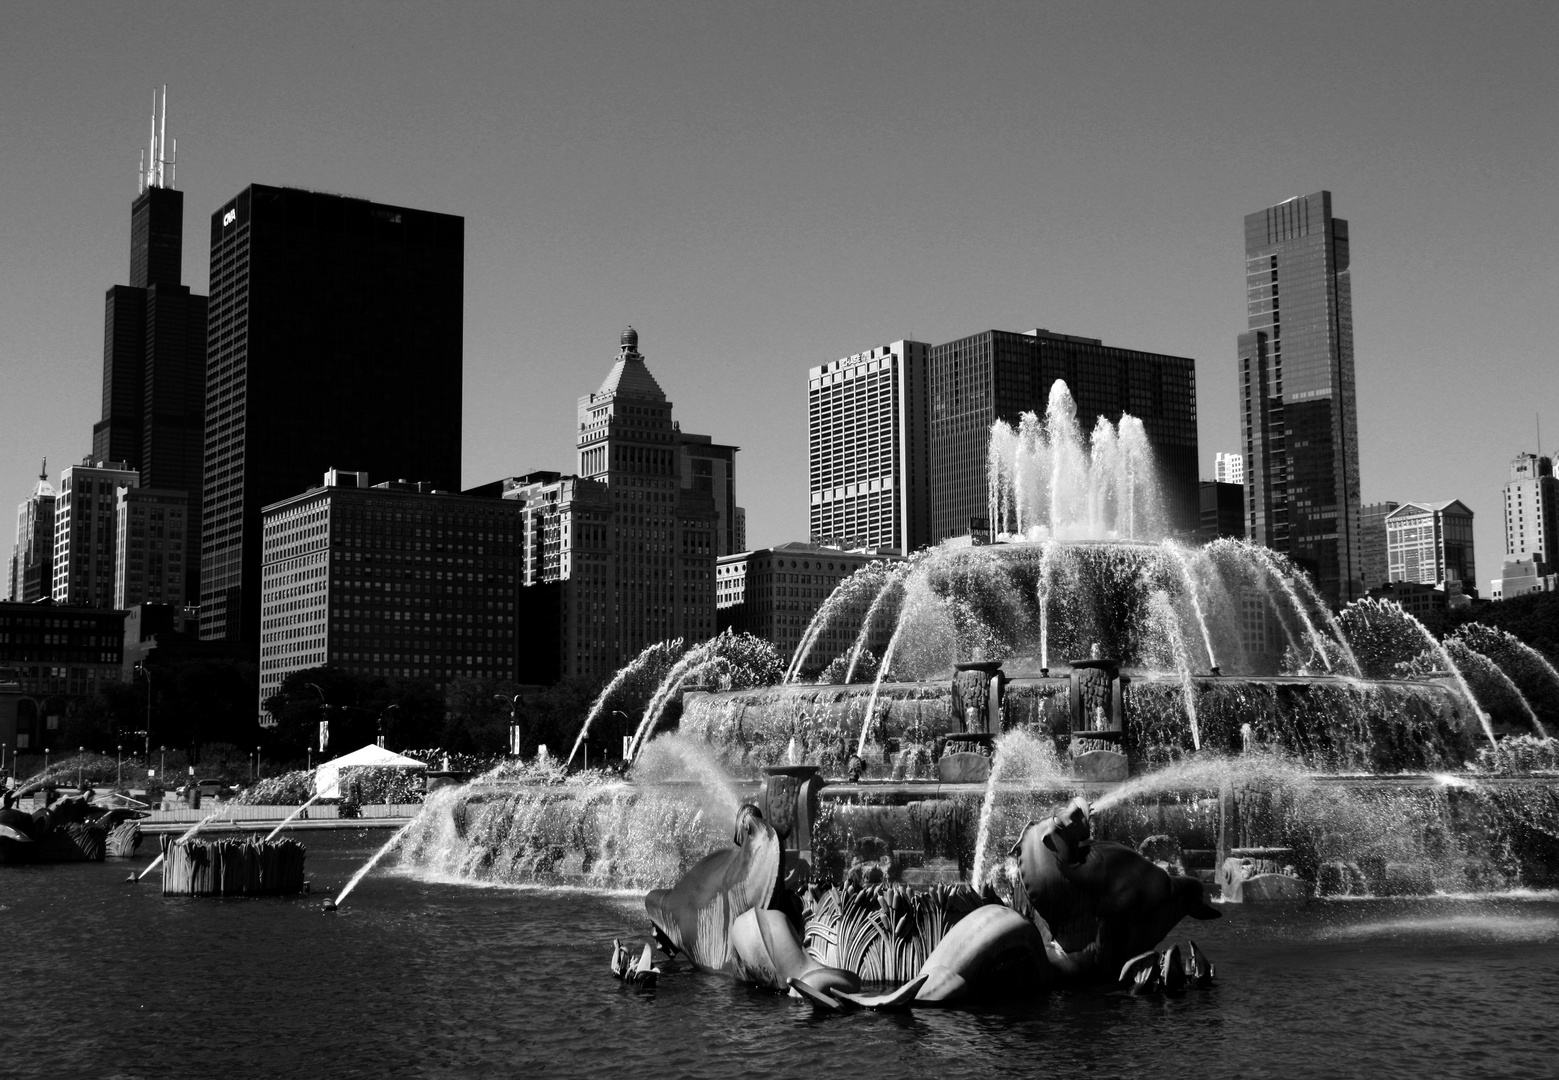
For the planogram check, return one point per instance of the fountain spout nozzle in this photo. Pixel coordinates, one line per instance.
(1044, 673)
(1214, 671)
(330, 905)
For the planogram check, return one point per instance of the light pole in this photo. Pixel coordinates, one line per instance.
(257, 763)
(121, 752)
(146, 673)
(162, 771)
(81, 753)
(324, 725)
(382, 714)
(513, 704)
(626, 738)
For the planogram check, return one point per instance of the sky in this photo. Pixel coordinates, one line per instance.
(761, 188)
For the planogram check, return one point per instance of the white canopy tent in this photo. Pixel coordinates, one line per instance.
(327, 777)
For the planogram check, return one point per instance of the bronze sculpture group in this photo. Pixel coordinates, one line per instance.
(1087, 912)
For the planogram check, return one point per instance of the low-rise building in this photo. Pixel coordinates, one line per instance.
(56, 653)
(1430, 542)
(396, 579)
(1223, 511)
(774, 593)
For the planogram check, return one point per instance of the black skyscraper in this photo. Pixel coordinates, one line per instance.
(154, 363)
(335, 340)
(1298, 414)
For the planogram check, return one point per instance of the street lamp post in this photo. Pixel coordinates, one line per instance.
(626, 738)
(257, 763)
(121, 752)
(513, 704)
(81, 753)
(383, 713)
(146, 673)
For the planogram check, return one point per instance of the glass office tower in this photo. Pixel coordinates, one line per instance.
(1299, 418)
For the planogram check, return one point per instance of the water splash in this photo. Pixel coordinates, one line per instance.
(659, 652)
(1469, 659)
(363, 870)
(1386, 619)
(1048, 481)
(288, 819)
(1189, 583)
(221, 811)
(1020, 758)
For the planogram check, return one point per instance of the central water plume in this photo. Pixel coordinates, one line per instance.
(1045, 480)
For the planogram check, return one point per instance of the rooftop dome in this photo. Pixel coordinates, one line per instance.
(630, 339)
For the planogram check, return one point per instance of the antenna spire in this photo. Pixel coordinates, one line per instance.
(43, 473)
(156, 162)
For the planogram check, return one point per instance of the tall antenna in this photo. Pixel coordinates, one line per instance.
(154, 171)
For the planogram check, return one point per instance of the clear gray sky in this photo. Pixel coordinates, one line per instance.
(759, 188)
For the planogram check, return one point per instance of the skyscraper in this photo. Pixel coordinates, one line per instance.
(998, 375)
(1532, 510)
(1299, 419)
(335, 336)
(1531, 528)
(869, 449)
(658, 580)
(32, 560)
(152, 547)
(86, 531)
(154, 353)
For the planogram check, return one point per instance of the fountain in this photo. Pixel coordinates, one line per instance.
(1219, 719)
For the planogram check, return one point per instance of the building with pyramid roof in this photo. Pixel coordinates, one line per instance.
(622, 554)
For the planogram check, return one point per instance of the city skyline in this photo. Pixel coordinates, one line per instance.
(752, 239)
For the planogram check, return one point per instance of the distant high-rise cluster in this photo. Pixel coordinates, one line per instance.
(1298, 415)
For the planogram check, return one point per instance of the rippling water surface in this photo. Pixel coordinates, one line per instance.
(423, 978)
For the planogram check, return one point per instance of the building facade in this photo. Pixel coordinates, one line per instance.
(1229, 468)
(55, 653)
(568, 573)
(153, 547)
(656, 580)
(32, 559)
(708, 467)
(397, 580)
(1299, 417)
(1372, 542)
(998, 375)
(869, 463)
(1430, 543)
(86, 531)
(1223, 511)
(1532, 510)
(335, 334)
(774, 593)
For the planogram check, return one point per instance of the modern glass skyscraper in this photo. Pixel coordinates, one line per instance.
(335, 339)
(1299, 419)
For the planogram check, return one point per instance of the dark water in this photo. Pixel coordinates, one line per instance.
(414, 978)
